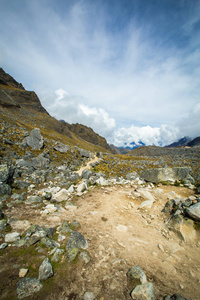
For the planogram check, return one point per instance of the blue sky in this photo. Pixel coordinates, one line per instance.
(130, 69)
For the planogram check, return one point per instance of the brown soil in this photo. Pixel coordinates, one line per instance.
(119, 237)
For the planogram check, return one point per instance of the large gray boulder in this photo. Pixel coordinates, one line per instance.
(5, 189)
(165, 174)
(194, 211)
(27, 287)
(34, 140)
(60, 147)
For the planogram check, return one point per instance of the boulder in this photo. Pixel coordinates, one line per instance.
(12, 237)
(62, 195)
(34, 140)
(81, 187)
(45, 270)
(6, 173)
(194, 211)
(132, 176)
(5, 189)
(136, 275)
(84, 153)
(184, 228)
(165, 174)
(175, 297)
(33, 199)
(143, 292)
(28, 286)
(75, 243)
(86, 174)
(41, 161)
(60, 147)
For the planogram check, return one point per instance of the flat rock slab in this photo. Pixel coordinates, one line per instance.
(27, 287)
(194, 211)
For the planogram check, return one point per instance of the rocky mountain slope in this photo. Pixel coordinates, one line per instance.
(24, 105)
(79, 223)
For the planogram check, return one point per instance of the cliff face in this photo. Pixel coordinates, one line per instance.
(13, 94)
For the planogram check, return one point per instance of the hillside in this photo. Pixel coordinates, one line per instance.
(80, 223)
(24, 106)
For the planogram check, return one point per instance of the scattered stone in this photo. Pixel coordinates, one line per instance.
(62, 195)
(88, 296)
(3, 246)
(132, 176)
(49, 243)
(34, 140)
(3, 224)
(12, 237)
(174, 297)
(23, 273)
(143, 292)
(137, 275)
(75, 243)
(60, 147)
(28, 286)
(45, 270)
(57, 254)
(65, 228)
(84, 256)
(194, 211)
(146, 204)
(33, 199)
(86, 174)
(121, 228)
(81, 187)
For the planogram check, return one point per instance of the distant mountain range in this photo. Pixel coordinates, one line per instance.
(185, 142)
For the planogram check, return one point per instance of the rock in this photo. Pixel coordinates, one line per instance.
(3, 224)
(169, 207)
(17, 197)
(84, 257)
(84, 153)
(41, 161)
(34, 140)
(62, 148)
(3, 246)
(65, 228)
(136, 275)
(75, 243)
(71, 189)
(102, 181)
(6, 173)
(194, 211)
(25, 165)
(49, 243)
(143, 292)
(86, 174)
(12, 237)
(88, 296)
(5, 189)
(165, 174)
(62, 195)
(81, 187)
(45, 270)
(23, 273)
(146, 204)
(184, 228)
(1, 214)
(132, 176)
(57, 255)
(174, 297)
(33, 199)
(28, 286)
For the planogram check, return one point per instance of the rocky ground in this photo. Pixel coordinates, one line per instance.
(70, 229)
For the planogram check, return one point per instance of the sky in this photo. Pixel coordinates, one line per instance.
(129, 69)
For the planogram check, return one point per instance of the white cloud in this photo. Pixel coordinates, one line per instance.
(72, 110)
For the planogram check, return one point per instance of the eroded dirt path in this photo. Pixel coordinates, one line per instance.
(120, 236)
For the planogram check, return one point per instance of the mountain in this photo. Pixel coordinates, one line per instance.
(185, 141)
(22, 106)
(182, 142)
(195, 142)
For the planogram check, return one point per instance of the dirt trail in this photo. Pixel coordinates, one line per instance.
(120, 235)
(87, 167)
